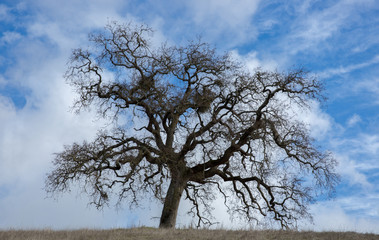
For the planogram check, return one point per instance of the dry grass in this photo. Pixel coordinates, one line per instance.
(190, 234)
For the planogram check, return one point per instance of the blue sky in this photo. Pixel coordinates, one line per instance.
(336, 40)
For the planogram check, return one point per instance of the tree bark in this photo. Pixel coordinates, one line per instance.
(171, 204)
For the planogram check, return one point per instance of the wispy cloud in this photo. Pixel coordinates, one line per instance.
(349, 68)
(227, 19)
(224, 14)
(253, 61)
(350, 172)
(313, 27)
(354, 120)
(4, 12)
(369, 87)
(9, 37)
(362, 144)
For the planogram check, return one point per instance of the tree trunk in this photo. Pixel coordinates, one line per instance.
(171, 204)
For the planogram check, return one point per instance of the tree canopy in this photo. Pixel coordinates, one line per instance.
(190, 121)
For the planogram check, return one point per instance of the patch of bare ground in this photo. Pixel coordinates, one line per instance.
(143, 233)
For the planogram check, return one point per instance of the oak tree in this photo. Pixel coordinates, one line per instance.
(191, 123)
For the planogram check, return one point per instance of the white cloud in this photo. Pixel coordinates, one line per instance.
(363, 143)
(353, 203)
(313, 28)
(227, 19)
(4, 12)
(349, 170)
(330, 216)
(225, 13)
(25, 207)
(350, 68)
(252, 61)
(3, 82)
(9, 37)
(369, 144)
(356, 156)
(70, 22)
(319, 122)
(370, 88)
(354, 120)
(29, 136)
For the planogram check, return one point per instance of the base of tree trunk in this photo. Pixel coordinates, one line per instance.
(171, 204)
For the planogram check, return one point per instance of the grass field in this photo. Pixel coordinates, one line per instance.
(190, 234)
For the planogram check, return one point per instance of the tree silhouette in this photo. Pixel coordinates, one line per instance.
(188, 120)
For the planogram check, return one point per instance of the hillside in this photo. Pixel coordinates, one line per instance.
(190, 234)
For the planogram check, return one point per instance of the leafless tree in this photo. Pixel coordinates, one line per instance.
(188, 120)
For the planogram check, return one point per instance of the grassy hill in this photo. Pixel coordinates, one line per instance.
(190, 234)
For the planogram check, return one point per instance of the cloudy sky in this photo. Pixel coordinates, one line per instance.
(336, 40)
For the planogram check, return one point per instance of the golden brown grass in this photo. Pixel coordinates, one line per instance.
(143, 233)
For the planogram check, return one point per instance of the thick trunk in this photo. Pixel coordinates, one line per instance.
(171, 204)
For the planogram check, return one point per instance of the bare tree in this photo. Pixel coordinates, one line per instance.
(188, 120)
